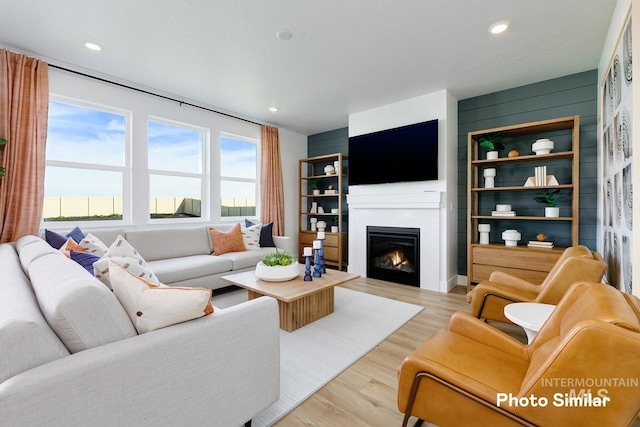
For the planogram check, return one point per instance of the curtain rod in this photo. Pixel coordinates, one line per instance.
(153, 94)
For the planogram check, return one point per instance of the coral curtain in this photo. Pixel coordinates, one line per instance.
(24, 105)
(272, 198)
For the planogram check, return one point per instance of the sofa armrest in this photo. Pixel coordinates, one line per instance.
(286, 244)
(218, 370)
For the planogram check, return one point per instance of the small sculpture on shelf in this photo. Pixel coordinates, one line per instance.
(511, 237)
(484, 230)
(489, 175)
(542, 146)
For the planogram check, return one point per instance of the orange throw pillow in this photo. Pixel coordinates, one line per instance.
(71, 245)
(230, 241)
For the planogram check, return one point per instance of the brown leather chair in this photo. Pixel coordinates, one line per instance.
(576, 263)
(591, 342)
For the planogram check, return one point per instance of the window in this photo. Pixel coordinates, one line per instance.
(238, 171)
(85, 162)
(176, 177)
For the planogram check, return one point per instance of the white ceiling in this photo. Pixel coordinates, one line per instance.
(345, 56)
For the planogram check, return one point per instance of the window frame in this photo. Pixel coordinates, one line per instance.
(204, 175)
(221, 178)
(125, 169)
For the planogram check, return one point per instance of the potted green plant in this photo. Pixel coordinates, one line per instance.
(550, 198)
(336, 224)
(492, 144)
(3, 141)
(313, 186)
(277, 267)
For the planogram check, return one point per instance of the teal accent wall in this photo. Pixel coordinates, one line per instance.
(571, 95)
(331, 142)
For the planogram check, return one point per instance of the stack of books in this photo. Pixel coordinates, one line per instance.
(503, 213)
(538, 244)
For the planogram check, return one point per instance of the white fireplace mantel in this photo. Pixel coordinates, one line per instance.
(423, 200)
(419, 209)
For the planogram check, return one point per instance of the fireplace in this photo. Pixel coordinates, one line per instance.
(393, 254)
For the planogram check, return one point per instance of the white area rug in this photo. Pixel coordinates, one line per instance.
(313, 355)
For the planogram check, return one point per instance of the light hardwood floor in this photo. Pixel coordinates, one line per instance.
(365, 394)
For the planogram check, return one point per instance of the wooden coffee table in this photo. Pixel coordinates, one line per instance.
(300, 302)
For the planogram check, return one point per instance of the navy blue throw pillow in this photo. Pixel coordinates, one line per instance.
(54, 239)
(85, 259)
(76, 234)
(266, 234)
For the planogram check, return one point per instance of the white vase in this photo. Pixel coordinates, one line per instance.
(334, 228)
(542, 146)
(492, 155)
(277, 273)
(511, 237)
(552, 212)
(484, 230)
(489, 175)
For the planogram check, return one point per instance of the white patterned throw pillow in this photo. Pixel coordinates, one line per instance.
(153, 306)
(91, 244)
(251, 236)
(128, 258)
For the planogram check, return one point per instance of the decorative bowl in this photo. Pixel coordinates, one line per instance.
(542, 146)
(277, 273)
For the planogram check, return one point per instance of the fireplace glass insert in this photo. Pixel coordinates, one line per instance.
(393, 254)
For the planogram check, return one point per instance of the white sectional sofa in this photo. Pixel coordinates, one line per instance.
(181, 256)
(71, 356)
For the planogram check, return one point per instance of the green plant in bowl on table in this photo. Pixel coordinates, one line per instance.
(278, 258)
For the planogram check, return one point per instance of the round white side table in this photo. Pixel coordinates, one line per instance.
(530, 315)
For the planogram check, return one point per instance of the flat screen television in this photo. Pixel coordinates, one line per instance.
(403, 154)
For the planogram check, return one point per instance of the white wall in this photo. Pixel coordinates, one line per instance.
(444, 107)
(292, 145)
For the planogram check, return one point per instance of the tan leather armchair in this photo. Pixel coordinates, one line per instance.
(576, 263)
(472, 374)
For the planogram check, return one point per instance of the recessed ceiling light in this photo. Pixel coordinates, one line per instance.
(499, 27)
(273, 109)
(93, 46)
(284, 35)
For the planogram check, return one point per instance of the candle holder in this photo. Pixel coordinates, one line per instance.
(317, 268)
(307, 268)
(321, 255)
